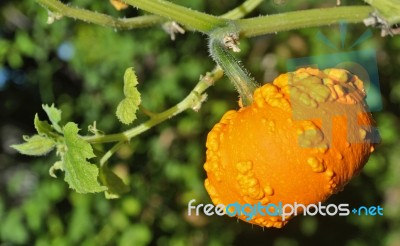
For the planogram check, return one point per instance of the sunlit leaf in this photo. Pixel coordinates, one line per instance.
(58, 165)
(54, 115)
(126, 110)
(80, 174)
(35, 146)
(44, 128)
(130, 83)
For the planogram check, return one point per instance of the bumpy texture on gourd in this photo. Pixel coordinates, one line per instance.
(301, 140)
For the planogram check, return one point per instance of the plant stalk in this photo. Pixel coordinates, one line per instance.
(236, 73)
(190, 101)
(58, 7)
(242, 10)
(193, 19)
(257, 26)
(387, 9)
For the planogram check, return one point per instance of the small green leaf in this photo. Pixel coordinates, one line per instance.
(126, 111)
(115, 185)
(80, 174)
(35, 146)
(44, 128)
(58, 165)
(134, 95)
(54, 115)
(130, 82)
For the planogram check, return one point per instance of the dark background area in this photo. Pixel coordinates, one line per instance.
(79, 67)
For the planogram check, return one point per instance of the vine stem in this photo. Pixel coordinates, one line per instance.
(58, 7)
(249, 27)
(387, 9)
(236, 73)
(242, 10)
(110, 152)
(191, 18)
(194, 98)
(257, 26)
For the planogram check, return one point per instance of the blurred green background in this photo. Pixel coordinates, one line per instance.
(79, 67)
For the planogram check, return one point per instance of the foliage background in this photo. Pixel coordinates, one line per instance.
(79, 67)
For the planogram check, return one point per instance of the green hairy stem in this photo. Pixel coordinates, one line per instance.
(237, 74)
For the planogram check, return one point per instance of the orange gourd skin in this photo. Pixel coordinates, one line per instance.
(301, 140)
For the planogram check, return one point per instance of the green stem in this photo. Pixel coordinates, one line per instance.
(242, 9)
(300, 19)
(387, 9)
(110, 152)
(236, 73)
(98, 18)
(203, 22)
(193, 19)
(130, 23)
(194, 98)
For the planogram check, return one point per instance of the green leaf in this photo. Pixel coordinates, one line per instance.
(44, 128)
(126, 110)
(35, 146)
(54, 115)
(80, 174)
(130, 83)
(116, 187)
(58, 165)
